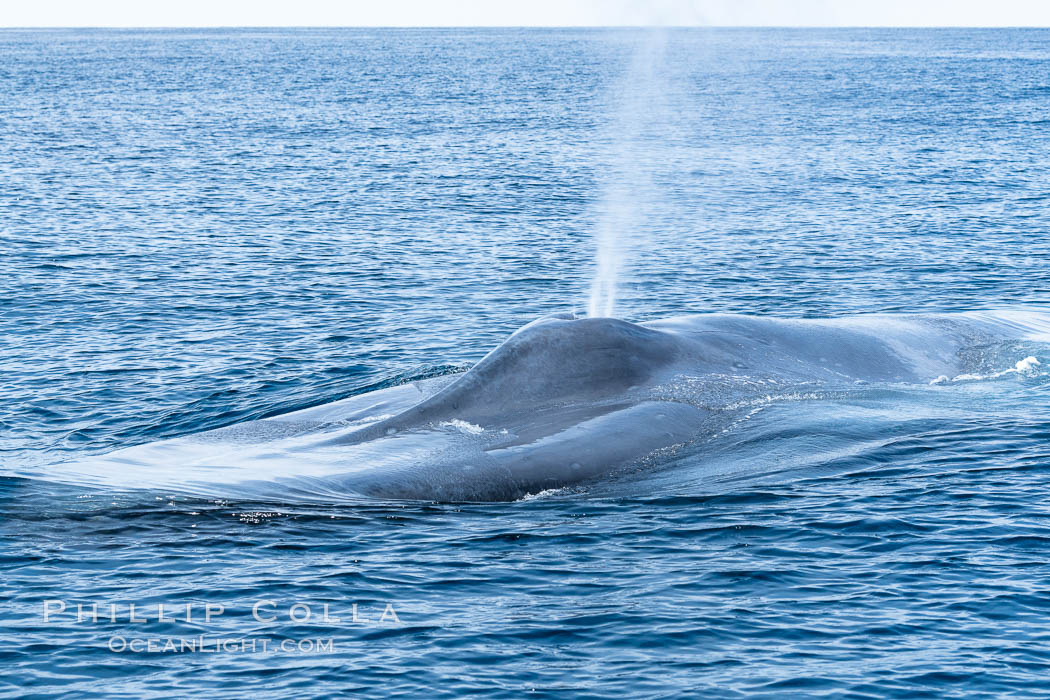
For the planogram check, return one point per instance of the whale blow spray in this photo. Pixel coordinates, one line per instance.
(640, 105)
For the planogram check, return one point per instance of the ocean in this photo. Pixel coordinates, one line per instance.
(202, 228)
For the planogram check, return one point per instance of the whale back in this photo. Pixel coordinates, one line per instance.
(566, 400)
(563, 359)
(554, 360)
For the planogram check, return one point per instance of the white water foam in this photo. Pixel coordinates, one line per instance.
(462, 426)
(1024, 368)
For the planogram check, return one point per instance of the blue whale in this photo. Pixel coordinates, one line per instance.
(563, 400)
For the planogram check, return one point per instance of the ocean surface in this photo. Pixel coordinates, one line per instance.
(202, 228)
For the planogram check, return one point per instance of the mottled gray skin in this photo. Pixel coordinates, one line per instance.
(561, 401)
(555, 360)
(576, 396)
(560, 360)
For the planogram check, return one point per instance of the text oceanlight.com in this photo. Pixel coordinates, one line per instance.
(217, 645)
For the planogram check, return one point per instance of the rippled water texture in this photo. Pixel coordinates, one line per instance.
(205, 228)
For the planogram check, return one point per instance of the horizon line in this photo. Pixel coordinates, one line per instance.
(531, 26)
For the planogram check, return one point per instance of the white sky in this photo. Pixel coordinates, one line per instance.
(428, 13)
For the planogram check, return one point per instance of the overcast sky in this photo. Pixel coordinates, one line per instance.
(429, 13)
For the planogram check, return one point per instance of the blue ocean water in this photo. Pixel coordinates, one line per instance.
(206, 227)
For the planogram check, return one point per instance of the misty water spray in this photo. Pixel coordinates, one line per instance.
(639, 107)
